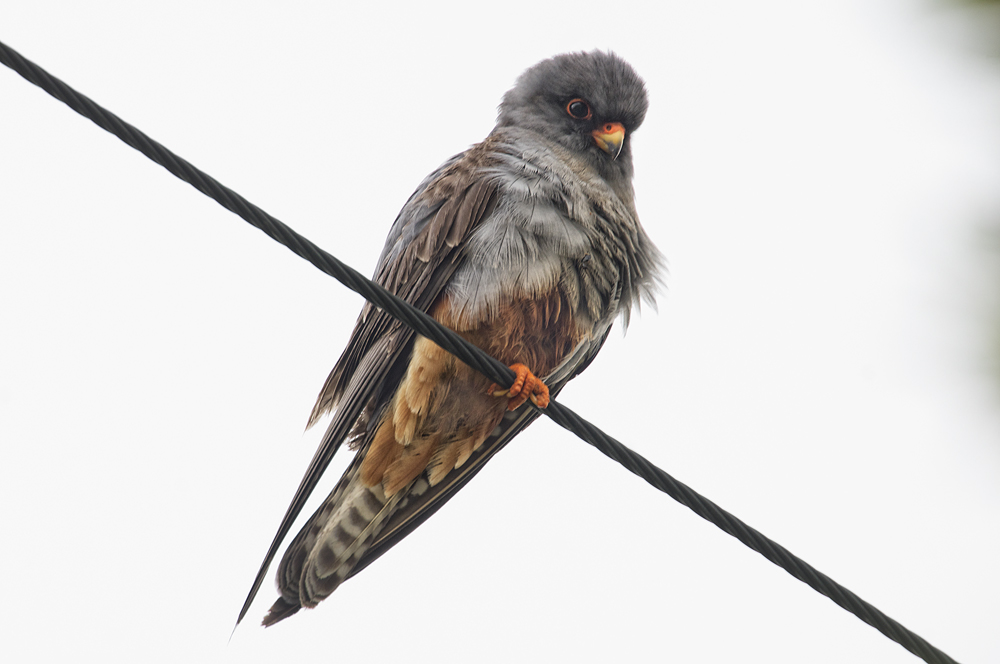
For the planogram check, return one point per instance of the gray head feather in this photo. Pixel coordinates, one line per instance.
(608, 84)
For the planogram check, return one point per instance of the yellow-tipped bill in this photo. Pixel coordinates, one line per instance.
(610, 137)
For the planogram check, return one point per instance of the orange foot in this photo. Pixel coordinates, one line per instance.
(526, 386)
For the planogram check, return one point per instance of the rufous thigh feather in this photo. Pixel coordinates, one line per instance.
(441, 411)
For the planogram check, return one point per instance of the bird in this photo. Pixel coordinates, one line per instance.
(528, 245)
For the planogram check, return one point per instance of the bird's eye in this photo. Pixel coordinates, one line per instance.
(579, 109)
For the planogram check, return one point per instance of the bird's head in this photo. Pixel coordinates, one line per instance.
(589, 103)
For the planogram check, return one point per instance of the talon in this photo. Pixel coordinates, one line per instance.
(526, 386)
(541, 399)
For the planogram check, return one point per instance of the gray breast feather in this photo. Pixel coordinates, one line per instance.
(534, 239)
(555, 222)
(549, 227)
(523, 248)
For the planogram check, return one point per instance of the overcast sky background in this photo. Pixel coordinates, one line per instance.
(822, 177)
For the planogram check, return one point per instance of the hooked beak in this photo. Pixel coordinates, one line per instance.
(610, 137)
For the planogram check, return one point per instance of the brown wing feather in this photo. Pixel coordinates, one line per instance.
(451, 206)
(421, 254)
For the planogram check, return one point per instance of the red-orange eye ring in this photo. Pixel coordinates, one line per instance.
(578, 109)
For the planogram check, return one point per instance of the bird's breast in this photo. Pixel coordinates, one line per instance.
(529, 248)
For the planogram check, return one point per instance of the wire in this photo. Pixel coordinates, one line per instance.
(473, 356)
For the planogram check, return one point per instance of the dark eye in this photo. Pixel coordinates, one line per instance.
(579, 109)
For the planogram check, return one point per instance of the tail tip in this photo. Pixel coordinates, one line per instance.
(280, 610)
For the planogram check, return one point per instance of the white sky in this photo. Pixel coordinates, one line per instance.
(820, 176)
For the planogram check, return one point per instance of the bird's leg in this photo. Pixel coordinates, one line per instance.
(526, 386)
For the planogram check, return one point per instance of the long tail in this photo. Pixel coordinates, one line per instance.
(357, 524)
(325, 552)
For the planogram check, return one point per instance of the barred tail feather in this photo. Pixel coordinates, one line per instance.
(325, 552)
(357, 524)
(344, 540)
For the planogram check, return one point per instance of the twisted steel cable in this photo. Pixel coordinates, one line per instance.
(473, 356)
